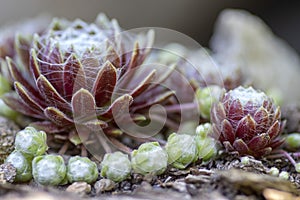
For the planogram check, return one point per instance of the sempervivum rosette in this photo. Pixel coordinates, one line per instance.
(86, 74)
(247, 121)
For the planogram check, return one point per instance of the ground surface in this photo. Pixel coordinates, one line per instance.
(225, 178)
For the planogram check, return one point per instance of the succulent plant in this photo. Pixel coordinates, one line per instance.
(206, 97)
(247, 121)
(82, 169)
(292, 141)
(78, 71)
(182, 150)
(149, 158)
(207, 147)
(49, 170)
(22, 165)
(31, 142)
(116, 166)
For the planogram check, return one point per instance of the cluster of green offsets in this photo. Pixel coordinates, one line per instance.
(180, 151)
(30, 160)
(29, 143)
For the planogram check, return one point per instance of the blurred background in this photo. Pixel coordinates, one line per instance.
(192, 17)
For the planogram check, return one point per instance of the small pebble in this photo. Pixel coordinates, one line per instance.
(7, 173)
(104, 185)
(81, 188)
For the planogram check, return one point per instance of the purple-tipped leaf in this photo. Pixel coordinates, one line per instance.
(28, 97)
(235, 111)
(83, 106)
(104, 84)
(241, 146)
(246, 128)
(118, 107)
(274, 130)
(72, 73)
(259, 141)
(144, 84)
(18, 105)
(57, 116)
(227, 131)
(52, 97)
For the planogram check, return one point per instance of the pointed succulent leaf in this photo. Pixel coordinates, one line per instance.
(274, 130)
(259, 141)
(105, 83)
(112, 56)
(52, 97)
(55, 55)
(72, 73)
(26, 96)
(267, 104)
(246, 127)
(134, 56)
(227, 131)
(261, 116)
(119, 105)
(57, 117)
(83, 106)
(18, 76)
(144, 84)
(241, 146)
(235, 111)
(17, 104)
(34, 65)
(277, 114)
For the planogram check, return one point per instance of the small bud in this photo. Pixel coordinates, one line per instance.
(116, 166)
(274, 171)
(293, 140)
(31, 142)
(149, 158)
(206, 97)
(181, 150)
(297, 167)
(22, 165)
(82, 169)
(245, 160)
(284, 175)
(206, 145)
(203, 130)
(49, 169)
